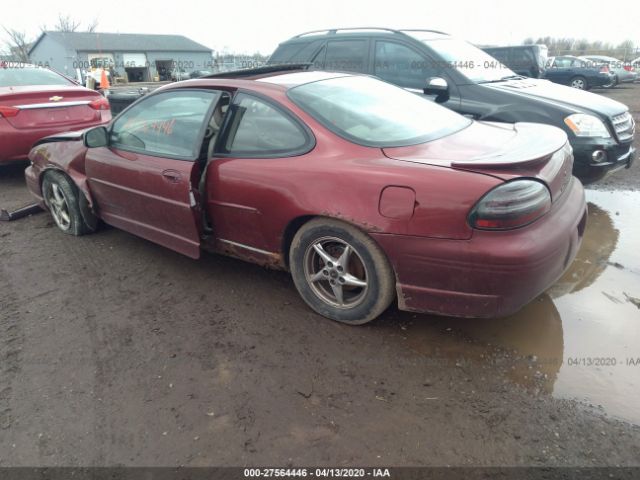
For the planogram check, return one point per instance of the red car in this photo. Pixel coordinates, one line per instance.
(36, 102)
(365, 192)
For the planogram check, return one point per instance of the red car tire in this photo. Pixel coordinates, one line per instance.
(62, 198)
(341, 272)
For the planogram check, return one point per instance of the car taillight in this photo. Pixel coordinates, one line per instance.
(9, 111)
(628, 68)
(511, 205)
(100, 104)
(604, 69)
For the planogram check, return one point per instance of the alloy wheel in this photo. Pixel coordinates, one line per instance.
(578, 83)
(59, 207)
(336, 272)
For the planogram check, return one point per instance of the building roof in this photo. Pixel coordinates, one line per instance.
(126, 42)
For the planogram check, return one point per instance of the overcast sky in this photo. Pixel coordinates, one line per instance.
(251, 25)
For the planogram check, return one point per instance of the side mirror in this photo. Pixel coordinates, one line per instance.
(96, 137)
(436, 85)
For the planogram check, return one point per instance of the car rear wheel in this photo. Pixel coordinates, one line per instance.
(340, 272)
(63, 201)
(579, 82)
(613, 83)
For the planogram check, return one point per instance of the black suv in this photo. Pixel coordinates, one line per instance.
(462, 77)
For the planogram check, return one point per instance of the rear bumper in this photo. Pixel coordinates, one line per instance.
(493, 273)
(628, 78)
(16, 143)
(618, 156)
(601, 80)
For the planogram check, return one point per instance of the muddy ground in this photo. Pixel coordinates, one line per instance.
(115, 351)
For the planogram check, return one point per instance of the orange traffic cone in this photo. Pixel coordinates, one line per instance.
(104, 80)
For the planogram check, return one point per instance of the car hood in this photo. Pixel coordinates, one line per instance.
(63, 137)
(572, 98)
(65, 150)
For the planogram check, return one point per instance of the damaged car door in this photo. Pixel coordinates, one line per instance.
(145, 180)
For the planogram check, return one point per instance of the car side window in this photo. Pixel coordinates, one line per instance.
(563, 62)
(346, 55)
(501, 54)
(522, 57)
(168, 124)
(260, 129)
(402, 65)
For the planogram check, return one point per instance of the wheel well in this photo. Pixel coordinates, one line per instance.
(290, 232)
(85, 205)
(53, 169)
(296, 224)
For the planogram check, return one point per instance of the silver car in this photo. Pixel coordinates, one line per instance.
(624, 71)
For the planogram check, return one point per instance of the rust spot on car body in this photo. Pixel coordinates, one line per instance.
(271, 260)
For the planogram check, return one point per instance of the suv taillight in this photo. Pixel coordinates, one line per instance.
(9, 111)
(100, 104)
(511, 205)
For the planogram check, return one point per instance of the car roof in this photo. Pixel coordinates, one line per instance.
(416, 34)
(278, 81)
(291, 80)
(602, 57)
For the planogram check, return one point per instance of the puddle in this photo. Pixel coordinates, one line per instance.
(581, 339)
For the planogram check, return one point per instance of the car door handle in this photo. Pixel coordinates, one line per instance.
(172, 176)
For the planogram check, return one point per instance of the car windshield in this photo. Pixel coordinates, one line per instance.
(475, 64)
(374, 113)
(22, 75)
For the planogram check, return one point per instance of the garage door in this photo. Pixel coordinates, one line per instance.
(134, 59)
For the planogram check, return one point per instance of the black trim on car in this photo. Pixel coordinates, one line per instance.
(309, 145)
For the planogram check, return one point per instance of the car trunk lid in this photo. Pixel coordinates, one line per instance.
(40, 106)
(505, 151)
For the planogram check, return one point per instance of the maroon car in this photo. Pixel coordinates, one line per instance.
(36, 102)
(366, 193)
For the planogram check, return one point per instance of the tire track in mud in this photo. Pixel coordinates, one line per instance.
(85, 255)
(11, 340)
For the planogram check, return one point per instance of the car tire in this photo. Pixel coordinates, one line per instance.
(63, 199)
(579, 82)
(340, 272)
(614, 82)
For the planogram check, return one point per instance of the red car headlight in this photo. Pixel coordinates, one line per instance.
(511, 205)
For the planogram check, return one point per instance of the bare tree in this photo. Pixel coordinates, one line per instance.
(66, 24)
(627, 48)
(572, 46)
(18, 44)
(91, 27)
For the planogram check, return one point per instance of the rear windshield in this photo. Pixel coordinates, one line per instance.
(21, 76)
(373, 113)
